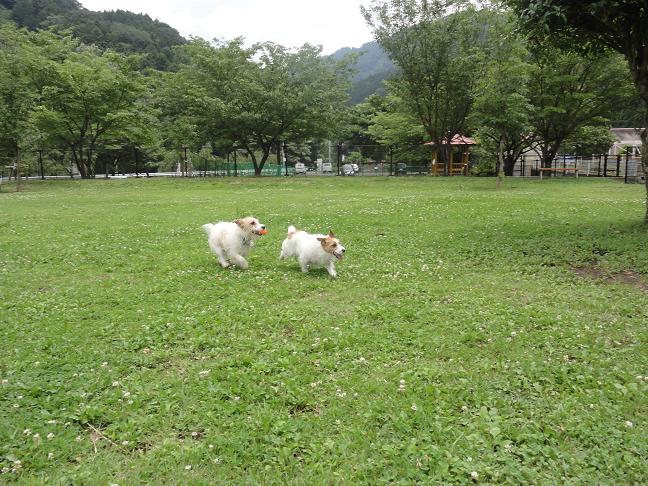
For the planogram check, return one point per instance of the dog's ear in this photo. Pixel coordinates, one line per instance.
(320, 239)
(240, 223)
(331, 233)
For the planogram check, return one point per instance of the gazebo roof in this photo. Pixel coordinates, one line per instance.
(457, 140)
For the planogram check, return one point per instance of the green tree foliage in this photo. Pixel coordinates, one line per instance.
(596, 24)
(90, 99)
(436, 45)
(502, 111)
(569, 91)
(254, 98)
(25, 69)
(120, 30)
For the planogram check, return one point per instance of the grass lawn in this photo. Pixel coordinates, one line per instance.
(502, 334)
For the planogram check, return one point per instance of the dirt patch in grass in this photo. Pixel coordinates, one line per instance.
(628, 277)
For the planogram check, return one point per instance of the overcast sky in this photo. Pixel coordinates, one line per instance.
(329, 23)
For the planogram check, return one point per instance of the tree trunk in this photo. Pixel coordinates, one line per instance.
(639, 68)
(258, 168)
(644, 165)
(498, 165)
(509, 164)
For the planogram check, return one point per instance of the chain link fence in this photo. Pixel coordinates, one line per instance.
(328, 159)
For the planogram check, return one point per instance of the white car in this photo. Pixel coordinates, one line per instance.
(327, 167)
(347, 170)
(300, 168)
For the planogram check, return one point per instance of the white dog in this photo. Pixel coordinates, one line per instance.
(231, 241)
(312, 251)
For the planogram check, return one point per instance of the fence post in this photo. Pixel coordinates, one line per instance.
(391, 160)
(625, 176)
(618, 165)
(605, 161)
(598, 170)
(339, 157)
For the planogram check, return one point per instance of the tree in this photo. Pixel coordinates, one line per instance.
(502, 111)
(595, 24)
(256, 98)
(17, 93)
(436, 46)
(569, 90)
(25, 69)
(90, 99)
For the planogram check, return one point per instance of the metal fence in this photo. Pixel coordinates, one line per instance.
(626, 167)
(330, 160)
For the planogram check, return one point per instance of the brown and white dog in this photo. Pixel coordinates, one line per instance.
(312, 251)
(231, 241)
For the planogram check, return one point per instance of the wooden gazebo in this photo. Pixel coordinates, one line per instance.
(454, 167)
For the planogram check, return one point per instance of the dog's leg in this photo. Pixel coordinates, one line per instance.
(330, 268)
(303, 263)
(240, 261)
(221, 256)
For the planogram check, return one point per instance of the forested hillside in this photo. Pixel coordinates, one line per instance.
(123, 31)
(372, 67)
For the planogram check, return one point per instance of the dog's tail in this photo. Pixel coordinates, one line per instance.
(207, 227)
(291, 230)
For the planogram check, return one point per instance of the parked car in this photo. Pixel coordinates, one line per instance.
(347, 170)
(327, 167)
(401, 168)
(356, 169)
(300, 168)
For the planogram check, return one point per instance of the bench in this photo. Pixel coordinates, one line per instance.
(558, 169)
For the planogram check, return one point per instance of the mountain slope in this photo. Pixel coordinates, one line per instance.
(123, 31)
(372, 66)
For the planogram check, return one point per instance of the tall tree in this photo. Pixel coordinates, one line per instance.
(616, 24)
(90, 97)
(570, 90)
(26, 66)
(502, 111)
(435, 45)
(255, 98)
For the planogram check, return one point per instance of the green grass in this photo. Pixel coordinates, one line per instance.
(150, 364)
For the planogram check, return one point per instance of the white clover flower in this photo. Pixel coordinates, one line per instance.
(78, 438)
(27, 432)
(104, 364)
(50, 456)
(126, 394)
(414, 407)
(188, 467)
(51, 421)
(237, 398)
(628, 424)
(115, 383)
(204, 372)
(36, 436)
(194, 434)
(474, 475)
(50, 435)
(211, 446)
(125, 442)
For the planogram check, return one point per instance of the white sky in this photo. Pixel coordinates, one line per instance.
(330, 23)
